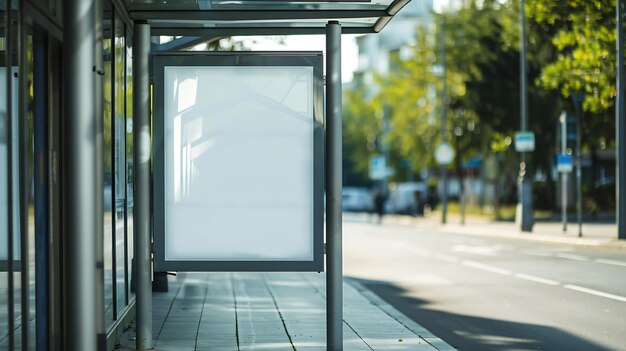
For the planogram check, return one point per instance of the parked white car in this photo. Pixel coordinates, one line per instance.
(355, 199)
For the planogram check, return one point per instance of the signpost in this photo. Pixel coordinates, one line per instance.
(564, 163)
(524, 141)
(379, 169)
(444, 154)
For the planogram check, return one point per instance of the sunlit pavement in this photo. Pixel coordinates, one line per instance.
(483, 288)
(274, 312)
(593, 233)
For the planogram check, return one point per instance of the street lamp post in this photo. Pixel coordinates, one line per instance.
(525, 205)
(577, 99)
(440, 7)
(620, 122)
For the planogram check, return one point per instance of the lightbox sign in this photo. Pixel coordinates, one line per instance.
(239, 161)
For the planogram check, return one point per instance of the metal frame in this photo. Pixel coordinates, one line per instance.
(10, 195)
(253, 15)
(251, 20)
(253, 30)
(240, 59)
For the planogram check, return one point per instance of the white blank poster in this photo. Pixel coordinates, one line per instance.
(238, 163)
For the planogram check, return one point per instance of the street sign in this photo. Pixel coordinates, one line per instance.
(524, 141)
(564, 163)
(444, 153)
(379, 169)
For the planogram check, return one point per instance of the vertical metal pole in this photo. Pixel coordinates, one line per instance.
(564, 174)
(444, 102)
(579, 191)
(525, 186)
(99, 198)
(80, 222)
(9, 170)
(334, 261)
(385, 145)
(620, 121)
(141, 109)
(25, 171)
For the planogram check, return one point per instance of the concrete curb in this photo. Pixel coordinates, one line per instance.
(484, 230)
(408, 323)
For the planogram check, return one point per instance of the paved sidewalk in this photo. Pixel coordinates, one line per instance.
(593, 233)
(275, 312)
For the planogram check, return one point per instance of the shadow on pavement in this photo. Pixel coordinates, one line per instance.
(469, 333)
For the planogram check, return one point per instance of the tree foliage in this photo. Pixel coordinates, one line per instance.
(570, 54)
(584, 36)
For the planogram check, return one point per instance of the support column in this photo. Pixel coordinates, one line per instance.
(334, 262)
(143, 252)
(79, 175)
(620, 121)
(99, 198)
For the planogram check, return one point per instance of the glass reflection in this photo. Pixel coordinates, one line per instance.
(108, 164)
(129, 163)
(119, 155)
(4, 201)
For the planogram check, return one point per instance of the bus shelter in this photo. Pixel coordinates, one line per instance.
(192, 22)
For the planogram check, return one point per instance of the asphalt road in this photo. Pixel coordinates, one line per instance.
(486, 293)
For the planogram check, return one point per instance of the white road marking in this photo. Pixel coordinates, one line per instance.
(536, 253)
(399, 245)
(572, 257)
(492, 269)
(485, 267)
(446, 258)
(595, 292)
(612, 262)
(477, 250)
(536, 279)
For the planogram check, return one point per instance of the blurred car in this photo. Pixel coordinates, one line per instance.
(355, 199)
(407, 198)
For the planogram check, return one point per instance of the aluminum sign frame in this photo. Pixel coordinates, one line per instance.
(242, 59)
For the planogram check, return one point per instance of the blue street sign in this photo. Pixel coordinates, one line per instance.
(524, 141)
(564, 163)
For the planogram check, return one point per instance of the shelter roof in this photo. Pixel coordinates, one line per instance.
(262, 17)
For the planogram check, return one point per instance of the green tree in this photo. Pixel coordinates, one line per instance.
(584, 36)
(361, 129)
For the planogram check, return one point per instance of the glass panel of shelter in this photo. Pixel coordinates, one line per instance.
(119, 156)
(107, 26)
(4, 175)
(130, 177)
